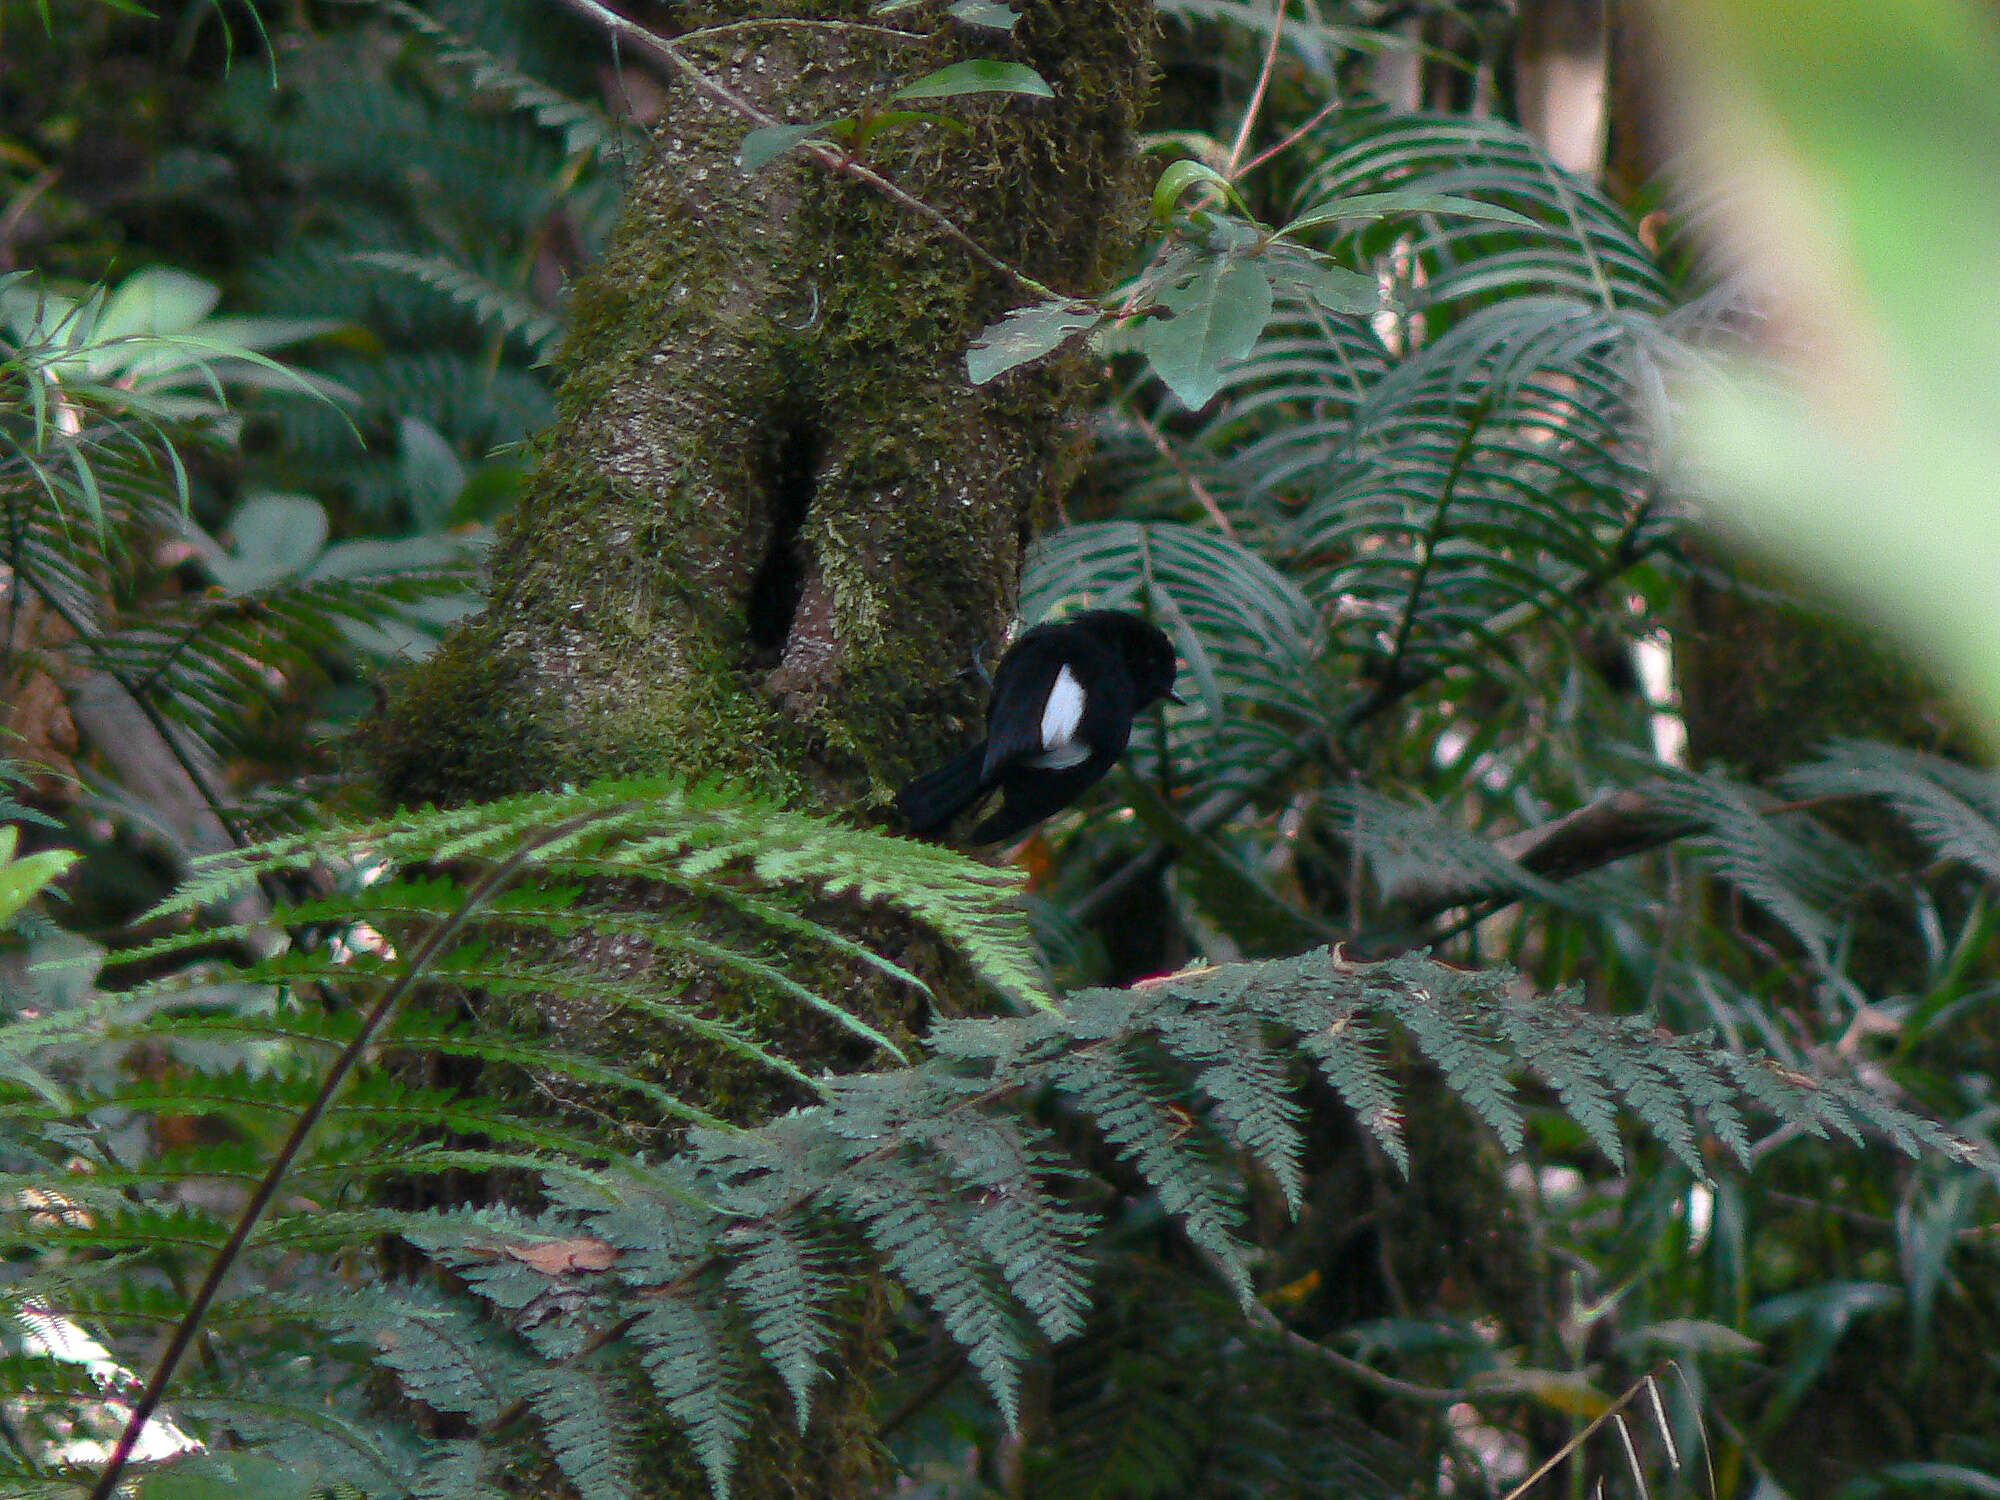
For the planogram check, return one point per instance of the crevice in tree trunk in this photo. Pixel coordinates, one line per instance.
(780, 580)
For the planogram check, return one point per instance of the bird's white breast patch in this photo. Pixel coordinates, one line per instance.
(1063, 711)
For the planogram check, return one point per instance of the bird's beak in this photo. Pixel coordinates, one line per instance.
(1174, 697)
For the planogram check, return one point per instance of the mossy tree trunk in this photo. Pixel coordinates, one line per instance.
(773, 525)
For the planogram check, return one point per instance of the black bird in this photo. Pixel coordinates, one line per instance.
(1061, 712)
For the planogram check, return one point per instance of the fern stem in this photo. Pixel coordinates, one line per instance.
(1391, 683)
(190, 1324)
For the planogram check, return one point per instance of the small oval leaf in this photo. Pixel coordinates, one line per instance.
(987, 13)
(978, 76)
(763, 146)
(1026, 333)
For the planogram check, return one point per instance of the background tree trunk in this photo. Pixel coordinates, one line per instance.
(773, 525)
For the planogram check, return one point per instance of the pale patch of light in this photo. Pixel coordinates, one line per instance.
(1450, 746)
(1653, 659)
(1557, 1186)
(358, 939)
(1700, 1211)
(1502, 1454)
(1570, 110)
(90, 1436)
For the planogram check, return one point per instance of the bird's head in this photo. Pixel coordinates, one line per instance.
(1148, 652)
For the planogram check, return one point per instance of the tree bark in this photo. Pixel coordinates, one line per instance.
(773, 525)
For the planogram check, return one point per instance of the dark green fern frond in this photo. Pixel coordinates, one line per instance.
(1795, 868)
(687, 836)
(494, 305)
(697, 1361)
(579, 1411)
(1954, 808)
(584, 129)
(729, 1262)
(203, 660)
(1589, 250)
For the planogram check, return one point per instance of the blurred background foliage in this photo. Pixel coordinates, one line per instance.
(278, 288)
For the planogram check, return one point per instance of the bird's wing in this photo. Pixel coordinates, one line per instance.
(1062, 713)
(1033, 691)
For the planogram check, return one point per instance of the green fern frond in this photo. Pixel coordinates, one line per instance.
(1589, 247)
(696, 1364)
(735, 1255)
(491, 303)
(1148, 1133)
(779, 1272)
(1954, 808)
(1409, 847)
(924, 1242)
(1795, 868)
(579, 1411)
(583, 129)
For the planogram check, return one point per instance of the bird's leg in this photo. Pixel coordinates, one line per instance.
(979, 671)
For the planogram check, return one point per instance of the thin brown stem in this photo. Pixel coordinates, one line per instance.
(232, 1248)
(1256, 104)
(1290, 140)
(1179, 465)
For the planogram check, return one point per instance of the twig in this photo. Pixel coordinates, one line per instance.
(1289, 141)
(1257, 95)
(267, 1189)
(1354, 1369)
(663, 49)
(1179, 465)
(802, 23)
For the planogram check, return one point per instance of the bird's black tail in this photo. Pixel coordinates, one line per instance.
(935, 798)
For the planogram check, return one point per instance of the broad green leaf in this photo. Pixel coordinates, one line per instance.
(987, 13)
(1367, 207)
(1335, 288)
(228, 1476)
(157, 300)
(761, 147)
(275, 536)
(1184, 174)
(978, 76)
(21, 880)
(1026, 333)
(1217, 316)
(431, 472)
